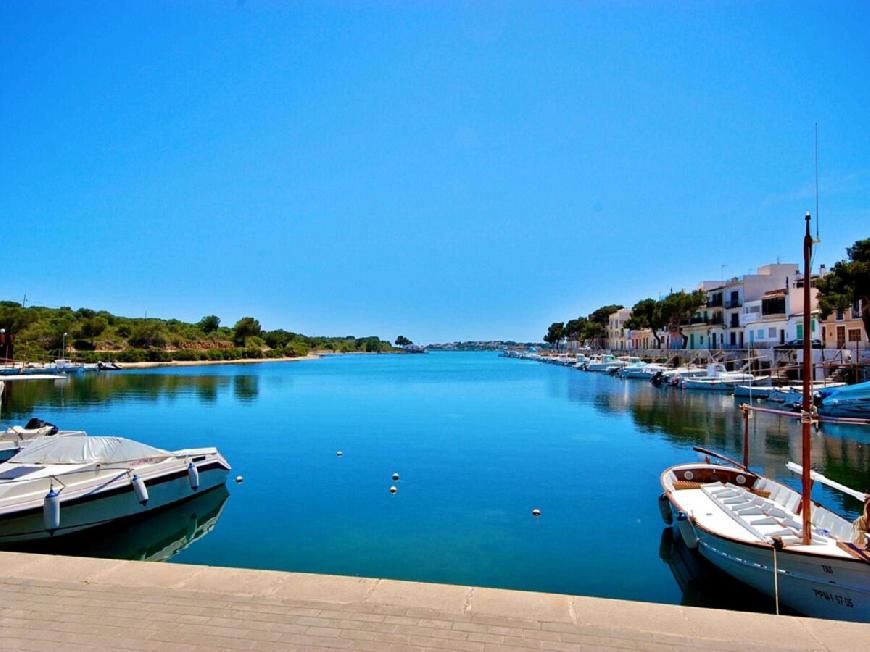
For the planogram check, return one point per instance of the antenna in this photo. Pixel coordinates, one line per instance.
(817, 240)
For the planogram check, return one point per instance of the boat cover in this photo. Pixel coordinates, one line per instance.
(77, 449)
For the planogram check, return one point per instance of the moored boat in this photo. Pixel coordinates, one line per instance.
(57, 486)
(13, 440)
(764, 533)
(849, 401)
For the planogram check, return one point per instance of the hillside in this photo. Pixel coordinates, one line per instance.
(38, 334)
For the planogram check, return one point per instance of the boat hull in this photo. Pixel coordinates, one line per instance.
(814, 585)
(100, 508)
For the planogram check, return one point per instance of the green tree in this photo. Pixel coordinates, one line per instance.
(92, 328)
(647, 313)
(244, 328)
(679, 306)
(403, 341)
(209, 323)
(555, 333)
(148, 333)
(847, 283)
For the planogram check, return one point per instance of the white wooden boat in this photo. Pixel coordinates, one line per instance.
(764, 533)
(740, 521)
(57, 486)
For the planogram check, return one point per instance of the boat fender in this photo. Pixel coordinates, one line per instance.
(140, 489)
(51, 510)
(687, 532)
(665, 509)
(193, 476)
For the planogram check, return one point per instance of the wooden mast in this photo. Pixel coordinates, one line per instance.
(806, 416)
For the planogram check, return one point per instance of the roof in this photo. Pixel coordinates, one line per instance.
(76, 449)
(774, 293)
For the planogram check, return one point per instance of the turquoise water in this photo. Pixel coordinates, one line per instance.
(478, 440)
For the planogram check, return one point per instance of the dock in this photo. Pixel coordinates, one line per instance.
(79, 603)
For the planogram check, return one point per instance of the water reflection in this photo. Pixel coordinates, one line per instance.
(704, 585)
(152, 537)
(91, 389)
(714, 421)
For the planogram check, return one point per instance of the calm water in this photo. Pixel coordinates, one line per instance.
(479, 442)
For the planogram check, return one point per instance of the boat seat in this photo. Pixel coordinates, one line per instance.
(792, 500)
(750, 511)
(772, 510)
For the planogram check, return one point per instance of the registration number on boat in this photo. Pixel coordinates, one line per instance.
(833, 597)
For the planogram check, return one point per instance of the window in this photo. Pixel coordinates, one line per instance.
(841, 337)
(761, 333)
(840, 315)
(800, 331)
(854, 334)
(771, 333)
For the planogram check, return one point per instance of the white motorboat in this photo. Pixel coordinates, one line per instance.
(57, 486)
(719, 379)
(13, 440)
(753, 391)
(602, 363)
(632, 368)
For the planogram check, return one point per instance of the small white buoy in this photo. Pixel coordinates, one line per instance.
(536, 512)
(339, 453)
(193, 475)
(239, 479)
(393, 489)
(395, 477)
(51, 510)
(140, 489)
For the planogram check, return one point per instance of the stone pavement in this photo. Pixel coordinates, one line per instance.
(67, 603)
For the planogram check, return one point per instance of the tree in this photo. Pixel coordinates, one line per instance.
(148, 333)
(403, 341)
(209, 323)
(647, 313)
(678, 306)
(277, 339)
(847, 283)
(92, 328)
(601, 315)
(244, 328)
(555, 333)
(575, 329)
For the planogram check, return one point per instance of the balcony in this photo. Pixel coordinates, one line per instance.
(715, 301)
(716, 319)
(733, 304)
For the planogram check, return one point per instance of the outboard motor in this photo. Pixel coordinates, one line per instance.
(657, 378)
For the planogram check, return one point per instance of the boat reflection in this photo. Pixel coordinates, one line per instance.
(704, 585)
(153, 537)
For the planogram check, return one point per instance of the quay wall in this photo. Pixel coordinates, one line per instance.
(74, 603)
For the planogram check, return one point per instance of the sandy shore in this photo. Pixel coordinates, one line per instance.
(199, 363)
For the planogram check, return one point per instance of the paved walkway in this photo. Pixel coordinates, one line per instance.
(68, 603)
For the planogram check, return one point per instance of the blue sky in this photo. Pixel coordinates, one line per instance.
(441, 170)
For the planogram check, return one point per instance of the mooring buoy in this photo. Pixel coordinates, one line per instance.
(239, 479)
(536, 512)
(393, 489)
(395, 477)
(339, 453)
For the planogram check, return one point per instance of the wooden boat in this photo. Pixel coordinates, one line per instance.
(764, 533)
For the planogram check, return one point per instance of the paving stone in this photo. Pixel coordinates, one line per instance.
(88, 604)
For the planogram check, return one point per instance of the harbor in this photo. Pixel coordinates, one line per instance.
(459, 516)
